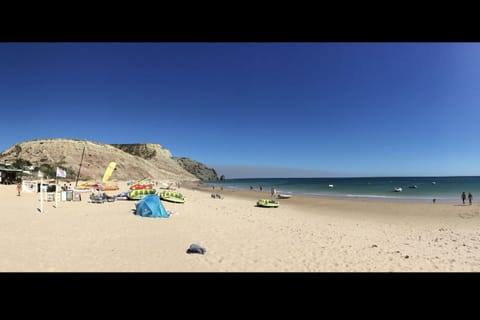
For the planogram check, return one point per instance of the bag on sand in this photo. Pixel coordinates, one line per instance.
(195, 248)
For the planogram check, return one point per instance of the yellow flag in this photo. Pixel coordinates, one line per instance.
(109, 171)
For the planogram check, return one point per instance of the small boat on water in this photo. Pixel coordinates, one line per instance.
(413, 186)
(330, 185)
(398, 189)
(433, 182)
(172, 196)
(283, 196)
(267, 203)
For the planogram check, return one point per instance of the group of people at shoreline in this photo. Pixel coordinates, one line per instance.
(464, 197)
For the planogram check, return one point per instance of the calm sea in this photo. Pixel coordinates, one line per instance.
(443, 189)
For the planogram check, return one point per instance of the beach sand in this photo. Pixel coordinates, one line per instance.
(302, 235)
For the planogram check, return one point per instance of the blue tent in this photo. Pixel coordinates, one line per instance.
(151, 206)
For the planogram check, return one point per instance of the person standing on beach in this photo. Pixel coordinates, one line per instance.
(274, 192)
(470, 197)
(19, 188)
(463, 197)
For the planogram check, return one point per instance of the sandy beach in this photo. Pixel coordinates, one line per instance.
(302, 235)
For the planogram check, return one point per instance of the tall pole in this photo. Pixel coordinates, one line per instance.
(80, 167)
(41, 194)
(56, 194)
(41, 191)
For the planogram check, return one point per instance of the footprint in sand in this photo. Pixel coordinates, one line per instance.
(466, 215)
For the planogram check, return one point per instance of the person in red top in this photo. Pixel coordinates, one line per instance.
(19, 188)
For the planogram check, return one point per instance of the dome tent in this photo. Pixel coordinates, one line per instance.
(151, 206)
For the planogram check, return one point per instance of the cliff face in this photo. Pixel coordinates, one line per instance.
(145, 160)
(144, 150)
(197, 169)
(156, 155)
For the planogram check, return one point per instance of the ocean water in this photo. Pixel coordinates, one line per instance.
(443, 189)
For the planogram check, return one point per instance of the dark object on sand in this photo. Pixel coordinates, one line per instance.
(195, 248)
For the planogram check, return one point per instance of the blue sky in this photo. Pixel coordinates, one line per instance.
(256, 109)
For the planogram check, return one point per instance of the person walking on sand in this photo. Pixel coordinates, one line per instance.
(274, 192)
(470, 197)
(463, 197)
(19, 188)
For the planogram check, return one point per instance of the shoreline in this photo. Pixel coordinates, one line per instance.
(315, 204)
(346, 197)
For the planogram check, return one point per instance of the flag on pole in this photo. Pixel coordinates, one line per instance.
(61, 173)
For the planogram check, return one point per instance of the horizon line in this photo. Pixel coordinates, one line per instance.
(353, 177)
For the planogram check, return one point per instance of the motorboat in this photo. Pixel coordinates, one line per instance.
(399, 189)
(283, 196)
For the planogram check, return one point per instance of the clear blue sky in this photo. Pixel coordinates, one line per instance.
(256, 109)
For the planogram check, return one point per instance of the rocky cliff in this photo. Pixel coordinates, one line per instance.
(197, 169)
(155, 152)
(141, 160)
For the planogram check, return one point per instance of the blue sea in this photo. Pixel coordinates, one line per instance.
(443, 189)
